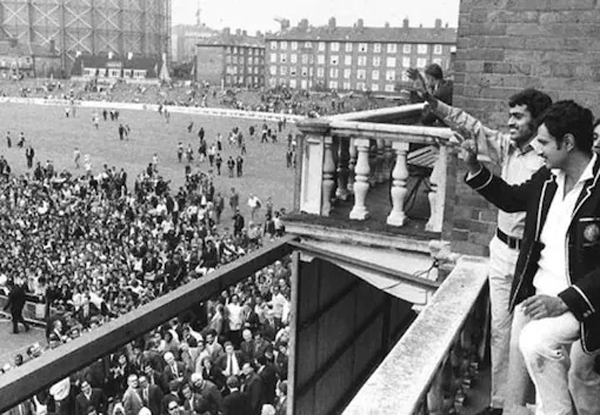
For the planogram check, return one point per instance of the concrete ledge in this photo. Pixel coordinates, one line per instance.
(402, 380)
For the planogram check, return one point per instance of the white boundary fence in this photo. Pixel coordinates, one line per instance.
(215, 112)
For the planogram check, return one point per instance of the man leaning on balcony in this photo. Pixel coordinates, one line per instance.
(556, 292)
(514, 154)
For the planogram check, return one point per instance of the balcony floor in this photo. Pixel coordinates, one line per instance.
(379, 206)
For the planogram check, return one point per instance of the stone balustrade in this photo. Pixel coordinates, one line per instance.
(343, 158)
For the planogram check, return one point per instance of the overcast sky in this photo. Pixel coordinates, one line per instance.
(255, 15)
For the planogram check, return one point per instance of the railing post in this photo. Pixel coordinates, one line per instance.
(343, 171)
(328, 174)
(313, 160)
(437, 195)
(361, 181)
(397, 216)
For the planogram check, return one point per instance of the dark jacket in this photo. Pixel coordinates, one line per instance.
(16, 299)
(236, 403)
(583, 242)
(97, 400)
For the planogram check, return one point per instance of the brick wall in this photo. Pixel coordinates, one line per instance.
(503, 47)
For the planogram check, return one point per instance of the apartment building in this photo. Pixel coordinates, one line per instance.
(353, 58)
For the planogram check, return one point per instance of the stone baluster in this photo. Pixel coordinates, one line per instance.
(343, 170)
(380, 173)
(437, 195)
(397, 216)
(328, 175)
(361, 186)
(352, 165)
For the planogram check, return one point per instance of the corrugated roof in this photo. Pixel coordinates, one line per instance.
(368, 34)
(224, 39)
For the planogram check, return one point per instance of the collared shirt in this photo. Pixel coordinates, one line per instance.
(551, 277)
(517, 165)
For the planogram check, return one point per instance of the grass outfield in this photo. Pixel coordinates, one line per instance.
(54, 137)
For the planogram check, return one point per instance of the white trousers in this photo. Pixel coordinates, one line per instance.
(502, 267)
(563, 375)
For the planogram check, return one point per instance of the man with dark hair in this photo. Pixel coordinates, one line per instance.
(514, 153)
(16, 302)
(556, 291)
(235, 403)
(442, 89)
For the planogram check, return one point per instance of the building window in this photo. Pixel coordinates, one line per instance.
(405, 77)
(390, 62)
(361, 86)
(390, 75)
(292, 83)
(347, 73)
(346, 86)
(283, 58)
(422, 49)
(320, 72)
(293, 58)
(375, 75)
(321, 59)
(273, 70)
(283, 71)
(389, 88)
(304, 71)
(335, 46)
(348, 60)
(406, 62)
(437, 49)
(391, 48)
(406, 48)
(437, 61)
(333, 73)
(273, 57)
(334, 59)
(361, 74)
(333, 84)
(304, 58)
(377, 47)
(362, 61)
(374, 87)
(362, 47)
(321, 46)
(376, 61)
(228, 59)
(293, 71)
(272, 82)
(235, 59)
(348, 47)
(283, 45)
(421, 62)
(294, 45)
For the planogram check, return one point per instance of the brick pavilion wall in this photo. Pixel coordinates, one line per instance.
(503, 47)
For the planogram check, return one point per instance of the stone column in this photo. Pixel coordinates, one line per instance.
(397, 216)
(361, 181)
(437, 196)
(328, 174)
(352, 165)
(343, 170)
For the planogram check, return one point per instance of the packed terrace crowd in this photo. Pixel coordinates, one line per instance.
(92, 250)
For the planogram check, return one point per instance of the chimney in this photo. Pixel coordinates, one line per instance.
(405, 23)
(238, 32)
(226, 31)
(244, 33)
(331, 23)
(258, 33)
(284, 24)
(387, 25)
(360, 23)
(303, 25)
(446, 25)
(438, 23)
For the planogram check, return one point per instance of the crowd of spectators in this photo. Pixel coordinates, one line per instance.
(93, 250)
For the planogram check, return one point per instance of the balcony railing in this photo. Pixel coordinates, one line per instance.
(352, 158)
(431, 368)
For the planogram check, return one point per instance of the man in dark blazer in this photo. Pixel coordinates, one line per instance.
(556, 291)
(235, 403)
(16, 302)
(252, 387)
(90, 397)
(152, 395)
(231, 362)
(174, 369)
